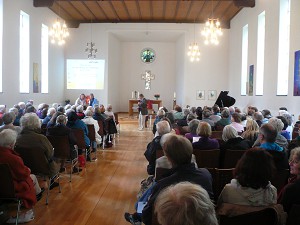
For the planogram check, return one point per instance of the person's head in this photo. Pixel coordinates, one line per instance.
(170, 116)
(177, 108)
(199, 111)
(91, 96)
(72, 116)
(255, 168)
(266, 113)
(8, 118)
(54, 117)
(68, 106)
(276, 123)
(190, 117)
(206, 113)
(61, 109)
(268, 133)
(82, 96)
(79, 109)
(14, 110)
(295, 161)
(30, 109)
(236, 117)
(30, 121)
(225, 113)
(258, 116)
(141, 96)
(284, 121)
(283, 108)
(88, 113)
(22, 105)
(204, 129)
(229, 132)
(237, 110)
(90, 108)
(109, 108)
(193, 110)
(178, 150)
(61, 119)
(252, 125)
(102, 108)
(186, 112)
(160, 113)
(216, 109)
(193, 125)
(8, 138)
(185, 203)
(288, 118)
(97, 110)
(51, 111)
(55, 105)
(163, 127)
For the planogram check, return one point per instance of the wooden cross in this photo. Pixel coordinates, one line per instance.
(147, 76)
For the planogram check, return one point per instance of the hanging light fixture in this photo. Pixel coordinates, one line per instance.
(194, 51)
(212, 30)
(59, 31)
(90, 47)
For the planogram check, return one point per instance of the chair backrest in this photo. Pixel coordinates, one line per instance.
(91, 134)
(221, 177)
(294, 215)
(79, 135)
(116, 118)
(101, 131)
(266, 216)
(280, 179)
(207, 158)
(7, 189)
(35, 159)
(232, 157)
(61, 146)
(216, 134)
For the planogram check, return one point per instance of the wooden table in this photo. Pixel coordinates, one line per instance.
(135, 101)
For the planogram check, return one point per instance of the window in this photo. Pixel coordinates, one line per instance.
(44, 59)
(1, 44)
(24, 52)
(283, 48)
(260, 54)
(244, 60)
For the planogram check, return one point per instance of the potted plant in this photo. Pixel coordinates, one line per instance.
(157, 96)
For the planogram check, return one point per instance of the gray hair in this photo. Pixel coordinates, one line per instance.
(79, 108)
(9, 118)
(296, 152)
(161, 113)
(164, 138)
(288, 117)
(163, 127)
(185, 203)
(68, 106)
(193, 125)
(61, 119)
(276, 123)
(2, 108)
(186, 111)
(30, 121)
(88, 113)
(51, 111)
(90, 108)
(22, 105)
(8, 138)
(55, 105)
(229, 132)
(225, 113)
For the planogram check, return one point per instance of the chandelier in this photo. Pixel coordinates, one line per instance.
(59, 32)
(91, 50)
(212, 31)
(194, 52)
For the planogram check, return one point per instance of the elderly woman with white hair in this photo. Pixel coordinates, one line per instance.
(90, 120)
(31, 136)
(232, 140)
(50, 113)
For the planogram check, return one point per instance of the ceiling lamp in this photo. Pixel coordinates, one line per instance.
(90, 46)
(194, 52)
(212, 30)
(59, 31)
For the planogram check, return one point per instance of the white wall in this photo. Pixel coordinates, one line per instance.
(249, 16)
(10, 94)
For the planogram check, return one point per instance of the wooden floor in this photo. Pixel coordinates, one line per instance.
(105, 189)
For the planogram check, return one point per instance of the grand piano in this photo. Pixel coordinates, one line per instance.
(224, 100)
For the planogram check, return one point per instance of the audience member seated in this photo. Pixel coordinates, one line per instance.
(159, 115)
(109, 112)
(52, 121)
(199, 112)
(98, 115)
(258, 117)
(60, 129)
(290, 194)
(79, 112)
(178, 114)
(251, 186)
(93, 101)
(232, 140)
(225, 120)
(41, 110)
(185, 203)
(193, 125)
(50, 113)
(267, 115)
(30, 137)
(8, 119)
(162, 127)
(251, 111)
(26, 185)
(236, 122)
(81, 101)
(205, 142)
(251, 132)
(2, 111)
(89, 120)
(179, 151)
(216, 116)
(267, 141)
(61, 109)
(284, 132)
(206, 117)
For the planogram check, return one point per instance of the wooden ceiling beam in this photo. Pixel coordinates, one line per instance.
(244, 3)
(114, 11)
(43, 3)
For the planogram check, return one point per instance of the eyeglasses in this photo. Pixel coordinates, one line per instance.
(294, 161)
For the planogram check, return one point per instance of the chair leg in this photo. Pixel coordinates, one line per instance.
(19, 207)
(49, 184)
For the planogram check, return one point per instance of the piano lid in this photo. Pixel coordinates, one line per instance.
(224, 100)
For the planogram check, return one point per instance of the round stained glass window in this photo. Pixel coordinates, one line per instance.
(148, 55)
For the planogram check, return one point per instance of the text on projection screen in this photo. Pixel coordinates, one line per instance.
(85, 74)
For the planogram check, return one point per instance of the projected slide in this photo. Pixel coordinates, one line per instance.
(85, 74)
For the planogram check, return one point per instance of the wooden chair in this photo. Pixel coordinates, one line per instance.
(92, 137)
(266, 216)
(62, 150)
(221, 177)
(207, 158)
(280, 179)
(102, 132)
(294, 216)
(118, 125)
(231, 157)
(39, 165)
(7, 189)
(79, 135)
(44, 129)
(216, 134)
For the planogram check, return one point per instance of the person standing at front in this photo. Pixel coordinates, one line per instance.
(143, 111)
